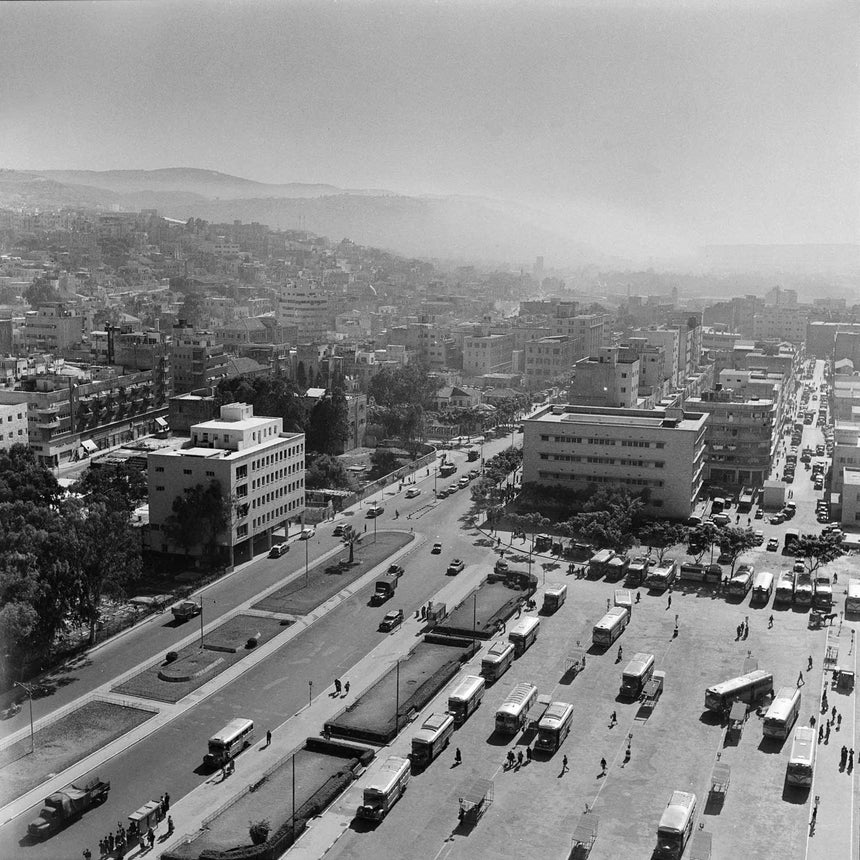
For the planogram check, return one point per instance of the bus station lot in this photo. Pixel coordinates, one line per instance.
(536, 806)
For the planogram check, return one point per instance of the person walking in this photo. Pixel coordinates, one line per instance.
(850, 759)
(170, 827)
(346, 689)
(511, 758)
(820, 734)
(150, 838)
(458, 757)
(809, 664)
(770, 622)
(528, 754)
(827, 734)
(838, 722)
(519, 758)
(613, 719)
(602, 766)
(833, 713)
(268, 737)
(669, 602)
(564, 767)
(337, 686)
(843, 757)
(87, 854)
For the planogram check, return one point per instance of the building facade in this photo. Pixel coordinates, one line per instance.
(52, 327)
(608, 379)
(198, 360)
(303, 304)
(490, 354)
(13, 425)
(661, 451)
(548, 360)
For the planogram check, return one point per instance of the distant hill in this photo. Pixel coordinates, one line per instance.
(472, 228)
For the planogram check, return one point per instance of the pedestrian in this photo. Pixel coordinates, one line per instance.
(346, 689)
(827, 734)
(619, 654)
(809, 664)
(850, 759)
(603, 765)
(835, 578)
(169, 825)
(458, 757)
(151, 837)
(613, 719)
(820, 734)
(268, 740)
(812, 721)
(519, 758)
(337, 686)
(528, 753)
(669, 602)
(564, 767)
(511, 758)
(87, 854)
(833, 713)
(770, 622)
(142, 842)
(102, 851)
(110, 842)
(800, 680)
(838, 722)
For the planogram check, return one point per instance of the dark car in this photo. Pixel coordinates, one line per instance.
(392, 619)
(455, 567)
(395, 570)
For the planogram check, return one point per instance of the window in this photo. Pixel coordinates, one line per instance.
(159, 468)
(159, 489)
(186, 471)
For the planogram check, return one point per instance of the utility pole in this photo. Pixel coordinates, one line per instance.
(29, 691)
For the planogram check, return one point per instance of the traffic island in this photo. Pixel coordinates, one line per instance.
(481, 614)
(305, 593)
(62, 744)
(405, 689)
(191, 667)
(313, 776)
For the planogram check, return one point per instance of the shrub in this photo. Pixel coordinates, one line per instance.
(251, 643)
(259, 831)
(171, 656)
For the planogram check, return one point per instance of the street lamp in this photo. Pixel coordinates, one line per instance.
(29, 691)
(306, 563)
(397, 699)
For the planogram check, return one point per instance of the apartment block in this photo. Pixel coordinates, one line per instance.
(303, 304)
(779, 322)
(52, 327)
(548, 360)
(259, 468)
(13, 425)
(487, 354)
(660, 450)
(197, 358)
(609, 379)
(669, 340)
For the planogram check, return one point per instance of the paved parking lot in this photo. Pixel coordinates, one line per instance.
(536, 807)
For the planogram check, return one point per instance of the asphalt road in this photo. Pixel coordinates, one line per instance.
(271, 691)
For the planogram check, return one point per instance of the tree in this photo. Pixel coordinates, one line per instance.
(23, 479)
(403, 386)
(301, 376)
(734, 541)
(660, 535)
(326, 473)
(274, 398)
(382, 463)
(41, 291)
(328, 427)
(199, 516)
(818, 550)
(703, 538)
(122, 484)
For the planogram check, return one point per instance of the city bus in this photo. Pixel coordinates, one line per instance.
(762, 586)
(229, 742)
(782, 713)
(745, 688)
(785, 587)
(804, 589)
(610, 627)
(465, 698)
(523, 634)
(801, 763)
(497, 661)
(514, 711)
(386, 788)
(433, 736)
(553, 598)
(637, 673)
(676, 825)
(852, 599)
(554, 726)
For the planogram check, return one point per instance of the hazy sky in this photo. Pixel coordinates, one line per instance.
(721, 121)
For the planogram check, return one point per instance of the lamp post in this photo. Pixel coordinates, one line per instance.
(201, 621)
(310, 692)
(306, 562)
(397, 699)
(29, 691)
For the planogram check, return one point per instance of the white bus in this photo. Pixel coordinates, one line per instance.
(229, 742)
(782, 713)
(386, 788)
(465, 698)
(433, 736)
(513, 713)
(801, 763)
(553, 598)
(637, 673)
(497, 661)
(523, 634)
(554, 726)
(762, 586)
(745, 688)
(676, 825)
(785, 587)
(610, 627)
(852, 599)
(741, 582)
(804, 590)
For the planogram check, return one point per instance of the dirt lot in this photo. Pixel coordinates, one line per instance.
(64, 743)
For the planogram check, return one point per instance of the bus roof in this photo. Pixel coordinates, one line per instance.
(555, 714)
(854, 587)
(602, 556)
(609, 619)
(740, 681)
(638, 664)
(782, 703)
(391, 770)
(432, 726)
(763, 579)
(557, 589)
(524, 626)
(803, 745)
(520, 694)
(499, 649)
(467, 687)
(677, 813)
(233, 728)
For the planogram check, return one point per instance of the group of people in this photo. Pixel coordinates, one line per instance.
(116, 844)
(516, 761)
(341, 686)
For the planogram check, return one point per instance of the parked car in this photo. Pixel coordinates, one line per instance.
(773, 545)
(443, 493)
(412, 492)
(759, 513)
(278, 549)
(395, 570)
(308, 532)
(455, 567)
(776, 519)
(375, 511)
(392, 619)
(338, 530)
(437, 548)
(759, 537)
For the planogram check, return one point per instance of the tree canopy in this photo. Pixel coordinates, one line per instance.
(734, 541)
(818, 550)
(660, 535)
(199, 515)
(409, 385)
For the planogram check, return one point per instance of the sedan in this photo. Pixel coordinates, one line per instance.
(412, 492)
(392, 619)
(308, 532)
(776, 519)
(395, 570)
(773, 545)
(455, 567)
(759, 537)
(759, 513)
(437, 548)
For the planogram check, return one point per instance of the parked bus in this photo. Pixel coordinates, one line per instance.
(386, 788)
(497, 661)
(782, 713)
(447, 469)
(229, 742)
(785, 587)
(554, 726)
(804, 590)
(662, 575)
(741, 582)
(792, 536)
(676, 825)
(523, 634)
(745, 688)
(610, 627)
(823, 597)
(801, 763)
(762, 586)
(623, 597)
(852, 599)
(597, 563)
(433, 736)
(553, 598)
(466, 698)
(637, 673)
(514, 711)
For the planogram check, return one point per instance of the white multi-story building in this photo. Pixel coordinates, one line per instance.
(661, 451)
(13, 424)
(303, 303)
(260, 471)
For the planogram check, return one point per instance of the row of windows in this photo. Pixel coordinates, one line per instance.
(11, 435)
(598, 440)
(277, 456)
(607, 461)
(599, 479)
(268, 498)
(276, 475)
(19, 416)
(277, 513)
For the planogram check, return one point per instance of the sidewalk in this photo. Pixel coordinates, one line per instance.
(190, 812)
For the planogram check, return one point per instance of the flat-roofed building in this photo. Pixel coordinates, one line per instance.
(489, 354)
(549, 360)
(658, 450)
(260, 474)
(610, 378)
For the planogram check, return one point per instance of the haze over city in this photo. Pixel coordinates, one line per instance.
(634, 128)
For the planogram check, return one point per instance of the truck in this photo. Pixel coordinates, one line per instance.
(385, 588)
(472, 454)
(65, 806)
(745, 499)
(186, 609)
